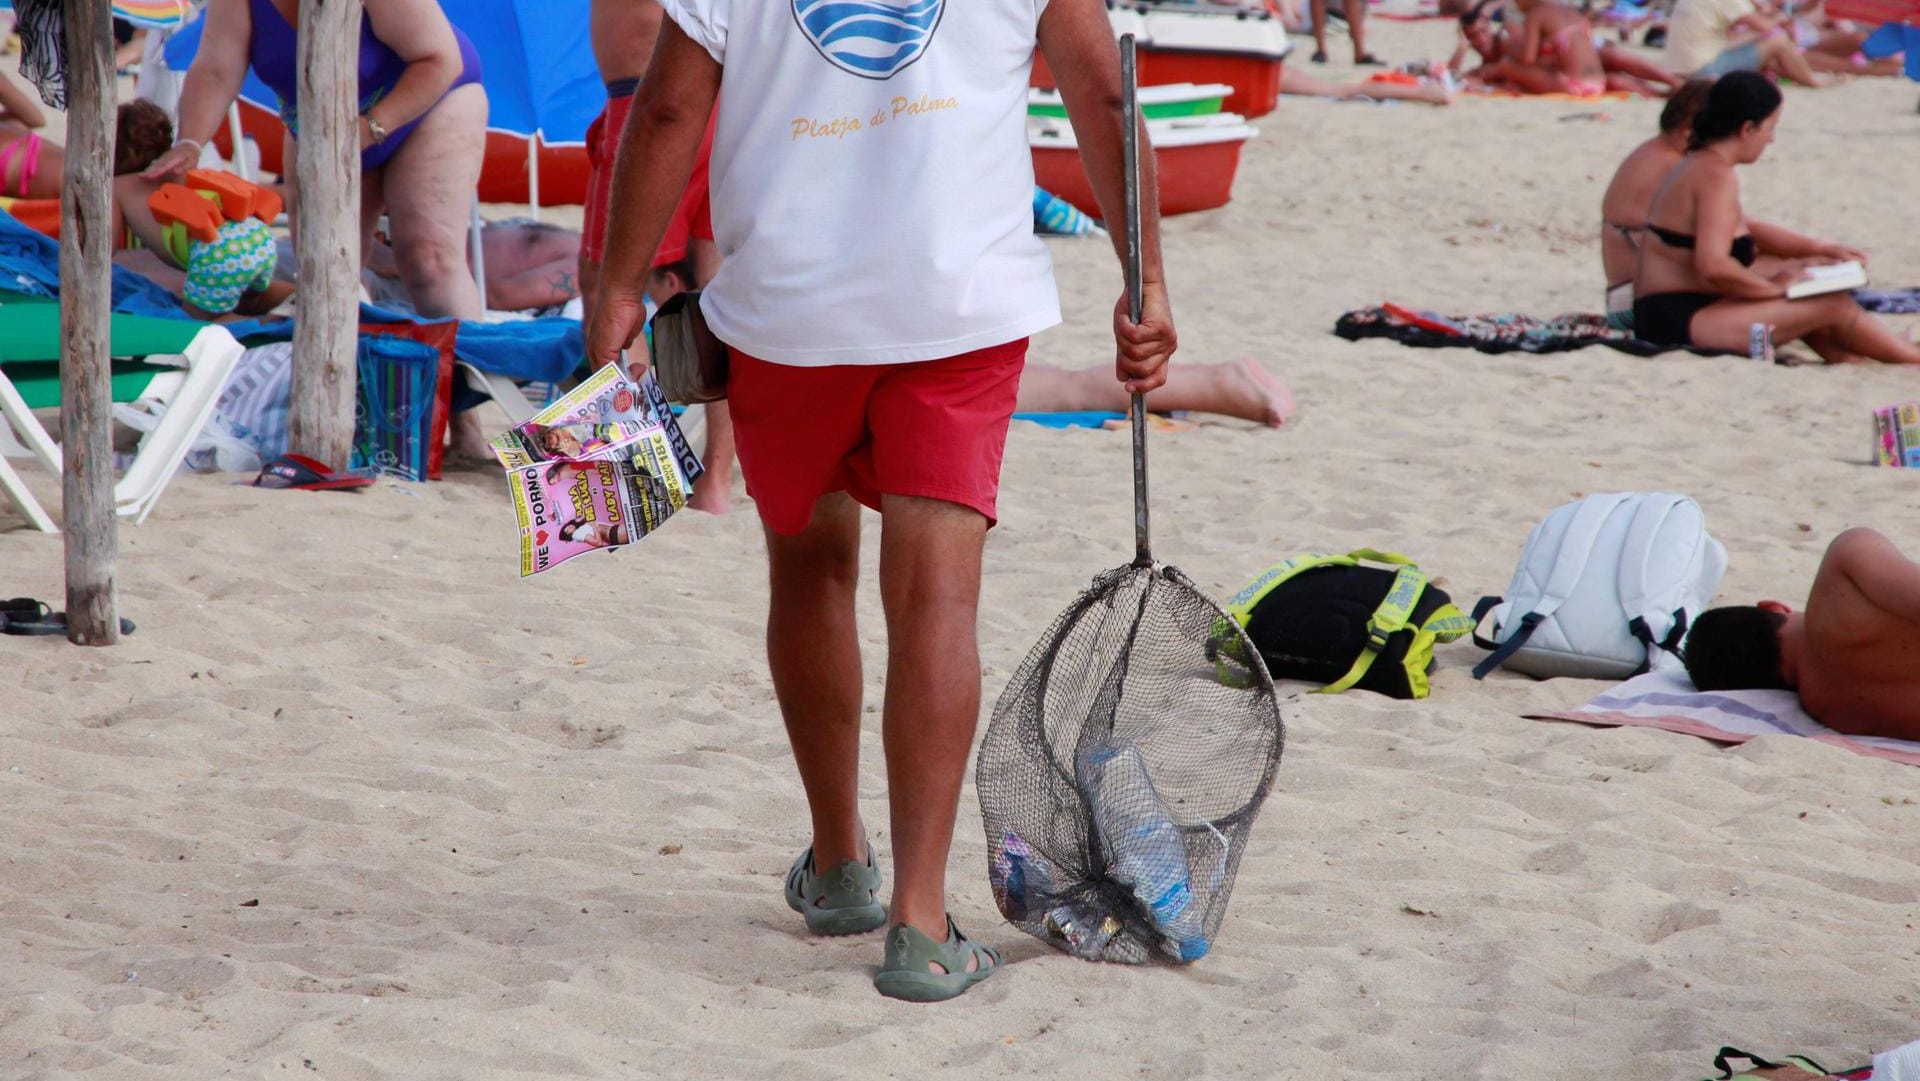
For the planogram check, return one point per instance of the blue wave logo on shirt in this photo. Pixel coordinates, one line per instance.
(874, 39)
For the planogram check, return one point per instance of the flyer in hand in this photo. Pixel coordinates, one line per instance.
(601, 467)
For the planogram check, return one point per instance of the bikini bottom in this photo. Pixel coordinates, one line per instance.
(1667, 318)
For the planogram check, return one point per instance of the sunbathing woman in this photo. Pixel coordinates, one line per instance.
(1561, 39)
(1624, 70)
(1695, 284)
(1623, 210)
(30, 167)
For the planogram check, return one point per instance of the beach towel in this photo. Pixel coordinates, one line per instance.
(1498, 333)
(1663, 699)
(1889, 301)
(1737, 1065)
(30, 264)
(1095, 418)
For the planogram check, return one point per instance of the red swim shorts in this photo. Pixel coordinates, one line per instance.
(692, 219)
(603, 145)
(934, 429)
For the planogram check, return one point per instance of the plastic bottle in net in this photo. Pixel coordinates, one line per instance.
(1144, 850)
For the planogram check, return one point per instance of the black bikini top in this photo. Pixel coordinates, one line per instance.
(1743, 248)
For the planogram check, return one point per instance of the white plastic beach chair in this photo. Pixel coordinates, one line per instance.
(189, 389)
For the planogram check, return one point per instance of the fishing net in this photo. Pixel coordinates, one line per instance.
(1125, 762)
(1123, 767)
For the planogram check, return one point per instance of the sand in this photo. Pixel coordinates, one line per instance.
(356, 802)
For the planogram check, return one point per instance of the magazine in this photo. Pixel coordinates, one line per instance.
(1896, 435)
(601, 467)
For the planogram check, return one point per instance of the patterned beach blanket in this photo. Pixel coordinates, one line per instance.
(1668, 700)
(1501, 333)
(1889, 301)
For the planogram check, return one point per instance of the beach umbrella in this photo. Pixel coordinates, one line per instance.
(153, 14)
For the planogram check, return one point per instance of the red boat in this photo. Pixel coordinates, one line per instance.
(1202, 43)
(504, 177)
(1195, 157)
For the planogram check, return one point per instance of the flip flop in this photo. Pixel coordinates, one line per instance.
(1319, 56)
(1368, 60)
(26, 616)
(24, 609)
(300, 471)
(905, 975)
(843, 901)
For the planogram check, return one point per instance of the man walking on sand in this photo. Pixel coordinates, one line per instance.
(872, 197)
(623, 33)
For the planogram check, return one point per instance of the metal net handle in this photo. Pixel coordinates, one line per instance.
(1130, 156)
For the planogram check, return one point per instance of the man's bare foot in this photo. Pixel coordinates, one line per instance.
(467, 439)
(1261, 395)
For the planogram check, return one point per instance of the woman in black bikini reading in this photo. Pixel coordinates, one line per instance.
(1695, 285)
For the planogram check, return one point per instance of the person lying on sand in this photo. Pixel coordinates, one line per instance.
(1853, 655)
(1242, 389)
(1695, 284)
(1405, 87)
(1501, 68)
(531, 265)
(1623, 210)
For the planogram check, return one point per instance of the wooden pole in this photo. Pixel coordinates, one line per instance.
(327, 232)
(86, 303)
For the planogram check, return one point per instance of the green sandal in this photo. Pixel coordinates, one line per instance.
(905, 974)
(843, 901)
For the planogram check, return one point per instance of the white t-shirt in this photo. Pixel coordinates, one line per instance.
(871, 183)
(1697, 31)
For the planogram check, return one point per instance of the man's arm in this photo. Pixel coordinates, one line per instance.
(657, 154)
(1877, 569)
(1077, 41)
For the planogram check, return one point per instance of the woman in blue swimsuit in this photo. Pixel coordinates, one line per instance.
(1695, 284)
(423, 121)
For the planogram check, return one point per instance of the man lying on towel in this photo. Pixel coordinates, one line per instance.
(1853, 655)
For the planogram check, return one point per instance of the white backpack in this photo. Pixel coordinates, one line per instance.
(1606, 589)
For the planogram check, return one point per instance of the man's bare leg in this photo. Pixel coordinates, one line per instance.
(1295, 81)
(1317, 13)
(1243, 389)
(1356, 11)
(813, 651)
(1783, 57)
(930, 587)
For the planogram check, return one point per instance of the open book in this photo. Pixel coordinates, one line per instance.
(1831, 278)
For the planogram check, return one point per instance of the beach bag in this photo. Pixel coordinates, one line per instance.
(1606, 589)
(400, 406)
(690, 363)
(1332, 619)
